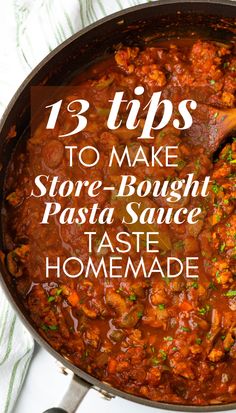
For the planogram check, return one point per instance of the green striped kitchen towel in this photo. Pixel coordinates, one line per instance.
(16, 347)
(29, 30)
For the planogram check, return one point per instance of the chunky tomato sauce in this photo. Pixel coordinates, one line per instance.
(170, 340)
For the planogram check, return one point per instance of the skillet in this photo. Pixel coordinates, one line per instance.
(164, 19)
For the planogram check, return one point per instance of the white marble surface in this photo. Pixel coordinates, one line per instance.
(45, 386)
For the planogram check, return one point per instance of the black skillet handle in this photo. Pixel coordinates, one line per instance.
(77, 390)
(55, 410)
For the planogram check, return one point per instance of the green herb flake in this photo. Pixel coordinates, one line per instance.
(139, 314)
(181, 163)
(198, 341)
(212, 82)
(197, 163)
(132, 297)
(230, 293)
(212, 286)
(222, 247)
(204, 310)
(53, 328)
(46, 327)
(163, 354)
(218, 217)
(85, 354)
(229, 155)
(186, 329)
(161, 306)
(155, 361)
(168, 338)
(215, 188)
(51, 299)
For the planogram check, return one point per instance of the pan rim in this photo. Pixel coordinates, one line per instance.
(95, 383)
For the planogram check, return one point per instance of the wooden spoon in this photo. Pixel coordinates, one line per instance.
(211, 126)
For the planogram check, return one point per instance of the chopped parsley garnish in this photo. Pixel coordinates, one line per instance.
(161, 306)
(51, 298)
(163, 354)
(53, 328)
(181, 163)
(204, 310)
(46, 327)
(222, 247)
(230, 293)
(197, 163)
(186, 329)
(155, 361)
(215, 188)
(139, 314)
(229, 155)
(85, 354)
(168, 338)
(212, 286)
(132, 297)
(218, 217)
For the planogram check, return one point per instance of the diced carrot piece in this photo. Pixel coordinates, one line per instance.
(152, 340)
(186, 306)
(112, 363)
(73, 299)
